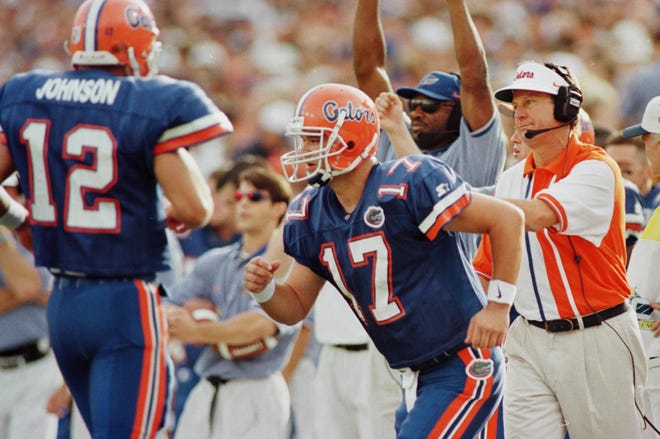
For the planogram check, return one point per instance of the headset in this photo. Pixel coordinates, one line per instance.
(568, 99)
(454, 119)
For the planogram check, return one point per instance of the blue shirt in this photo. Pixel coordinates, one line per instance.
(84, 144)
(407, 279)
(218, 277)
(478, 157)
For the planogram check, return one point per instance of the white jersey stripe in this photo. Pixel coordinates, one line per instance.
(562, 273)
(194, 126)
(90, 25)
(441, 206)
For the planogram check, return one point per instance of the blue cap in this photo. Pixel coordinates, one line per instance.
(437, 85)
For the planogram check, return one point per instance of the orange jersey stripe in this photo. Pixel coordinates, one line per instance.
(577, 266)
(151, 397)
(493, 424)
(447, 216)
(466, 405)
(191, 139)
(162, 367)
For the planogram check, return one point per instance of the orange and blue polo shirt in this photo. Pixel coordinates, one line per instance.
(577, 266)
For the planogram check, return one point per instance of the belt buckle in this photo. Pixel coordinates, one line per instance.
(559, 325)
(11, 362)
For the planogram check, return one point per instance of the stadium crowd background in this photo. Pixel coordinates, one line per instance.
(246, 53)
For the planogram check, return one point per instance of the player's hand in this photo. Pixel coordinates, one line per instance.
(172, 222)
(488, 327)
(258, 273)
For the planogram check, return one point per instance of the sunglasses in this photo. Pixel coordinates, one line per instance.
(255, 196)
(428, 105)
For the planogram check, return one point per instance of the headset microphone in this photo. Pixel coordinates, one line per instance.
(530, 134)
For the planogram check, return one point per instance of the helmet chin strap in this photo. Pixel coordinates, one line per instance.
(133, 61)
(323, 175)
(320, 178)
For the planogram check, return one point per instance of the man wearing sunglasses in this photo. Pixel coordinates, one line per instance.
(242, 392)
(451, 116)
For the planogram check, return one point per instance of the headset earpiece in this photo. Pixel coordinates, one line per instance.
(568, 99)
(454, 119)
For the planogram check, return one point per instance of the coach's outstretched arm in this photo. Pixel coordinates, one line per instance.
(288, 302)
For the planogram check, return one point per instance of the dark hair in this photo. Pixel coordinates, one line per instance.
(230, 172)
(270, 181)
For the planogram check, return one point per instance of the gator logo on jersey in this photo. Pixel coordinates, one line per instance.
(479, 368)
(374, 217)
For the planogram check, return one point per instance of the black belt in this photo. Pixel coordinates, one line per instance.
(20, 355)
(438, 360)
(595, 319)
(147, 277)
(216, 381)
(353, 347)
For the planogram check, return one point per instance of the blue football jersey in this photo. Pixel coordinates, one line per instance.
(408, 280)
(84, 143)
(635, 219)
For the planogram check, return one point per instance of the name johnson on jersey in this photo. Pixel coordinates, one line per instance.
(93, 91)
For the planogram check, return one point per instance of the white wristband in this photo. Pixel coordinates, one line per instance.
(15, 215)
(266, 294)
(501, 292)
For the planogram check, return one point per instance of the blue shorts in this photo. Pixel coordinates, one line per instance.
(457, 398)
(109, 338)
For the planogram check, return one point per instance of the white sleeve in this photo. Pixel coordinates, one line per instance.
(583, 200)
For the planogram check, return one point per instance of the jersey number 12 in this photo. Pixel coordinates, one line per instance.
(103, 216)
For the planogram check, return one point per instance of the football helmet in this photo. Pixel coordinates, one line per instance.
(344, 122)
(115, 32)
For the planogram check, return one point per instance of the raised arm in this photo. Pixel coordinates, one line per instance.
(476, 95)
(369, 49)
